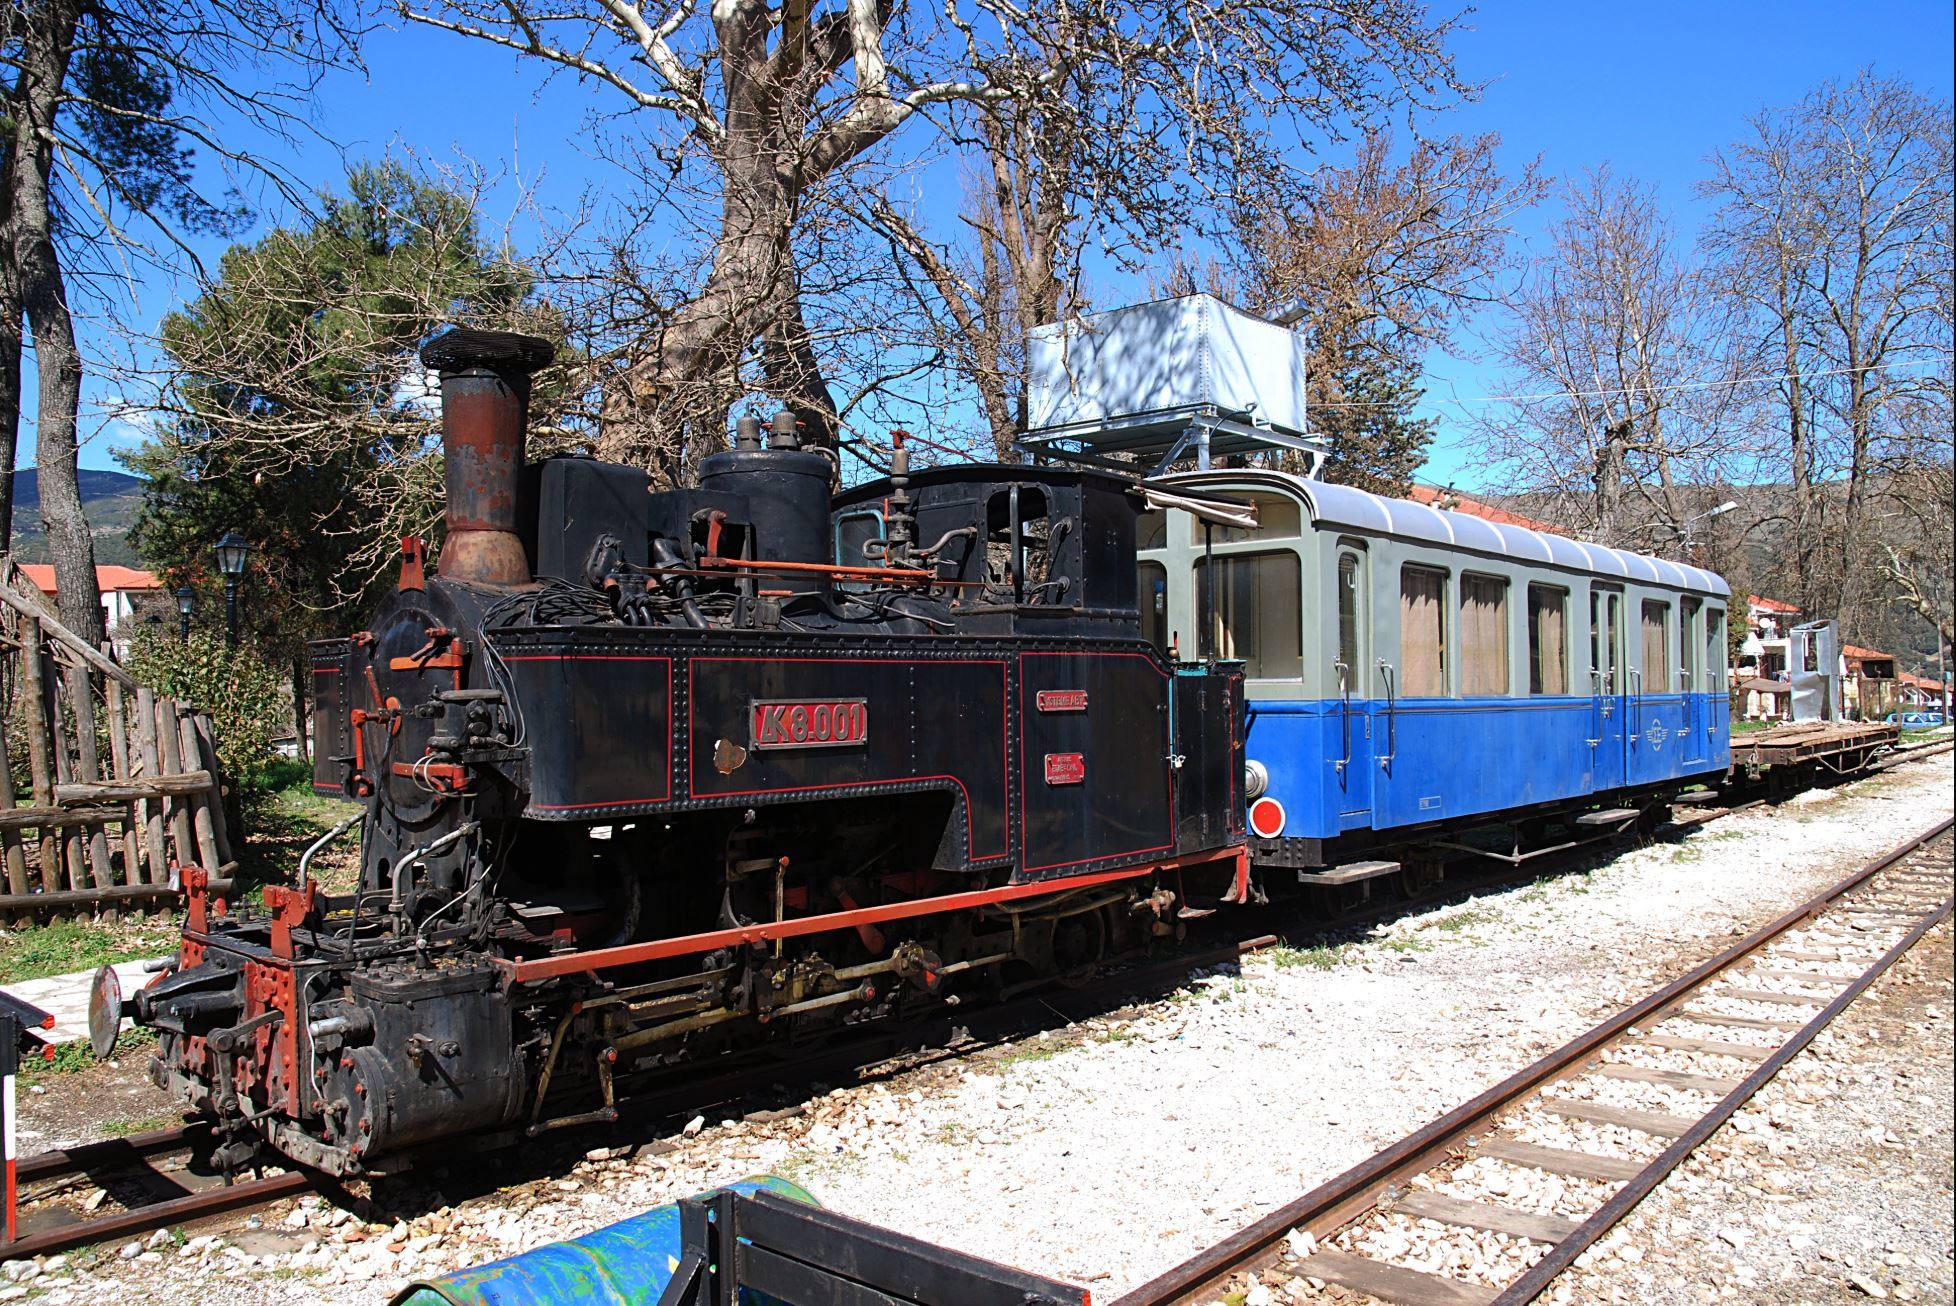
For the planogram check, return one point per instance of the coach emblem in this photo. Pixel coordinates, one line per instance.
(808, 723)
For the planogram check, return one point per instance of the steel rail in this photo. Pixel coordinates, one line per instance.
(160, 1215)
(1624, 1200)
(1339, 1201)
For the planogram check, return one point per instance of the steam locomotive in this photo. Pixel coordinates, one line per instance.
(645, 776)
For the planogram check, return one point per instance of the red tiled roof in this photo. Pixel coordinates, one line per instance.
(1454, 501)
(1770, 605)
(1920, 682)
(1856, 651)
(107, 577)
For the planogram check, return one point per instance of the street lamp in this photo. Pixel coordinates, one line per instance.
(185, 598)
(1707, 515)
(231, 551)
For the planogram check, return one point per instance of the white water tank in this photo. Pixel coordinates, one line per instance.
(1192, 353)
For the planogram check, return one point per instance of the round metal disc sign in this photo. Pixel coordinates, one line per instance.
(104, 1012)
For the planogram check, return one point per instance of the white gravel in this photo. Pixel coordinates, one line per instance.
(1106, 1152)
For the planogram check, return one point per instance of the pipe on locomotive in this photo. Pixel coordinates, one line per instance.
(485, 399)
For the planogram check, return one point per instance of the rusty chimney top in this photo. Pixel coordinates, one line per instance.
(485, 398)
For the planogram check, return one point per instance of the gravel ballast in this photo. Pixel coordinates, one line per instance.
(1107, 1151)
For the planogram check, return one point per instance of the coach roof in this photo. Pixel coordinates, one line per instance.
(1357, 510)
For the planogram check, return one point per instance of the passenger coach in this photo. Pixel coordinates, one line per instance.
(1411, 670)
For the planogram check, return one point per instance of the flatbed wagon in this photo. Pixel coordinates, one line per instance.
(1838, 747)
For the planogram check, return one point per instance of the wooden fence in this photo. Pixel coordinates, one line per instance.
(108, 788)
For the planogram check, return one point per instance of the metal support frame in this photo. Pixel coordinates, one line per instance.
(1167, 437)
(793, 1252)
(19, 1026)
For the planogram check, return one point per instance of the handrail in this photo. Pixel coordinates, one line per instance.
(1392, 715)
(1637, 702)
(1595, 705)
(1345, 687)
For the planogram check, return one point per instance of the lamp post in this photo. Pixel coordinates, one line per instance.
(1707, 515)
(231, 552)
(185, 598)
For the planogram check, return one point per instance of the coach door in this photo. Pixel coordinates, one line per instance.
(1351, 724)
(1693, 678)
(1608, 684)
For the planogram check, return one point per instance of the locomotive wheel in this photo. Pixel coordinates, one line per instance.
(1079, 942)
(1420, 875)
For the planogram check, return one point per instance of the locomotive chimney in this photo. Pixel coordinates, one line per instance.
(485, 398)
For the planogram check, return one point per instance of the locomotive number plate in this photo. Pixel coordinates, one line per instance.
(1065, 768)
(1061, 700)
(808, 722)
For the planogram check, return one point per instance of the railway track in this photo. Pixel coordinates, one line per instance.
(1701, 1047)
(160, 1195)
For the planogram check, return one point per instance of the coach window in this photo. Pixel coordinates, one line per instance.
(1714, 648)
(1153, 598)
(1688, 609)
(1351, 571)
(1256, 612)
(1483, 635)
(1657, 647)
(1548, 640)
(1278, 517)
(1606, 640)
(1422, 631)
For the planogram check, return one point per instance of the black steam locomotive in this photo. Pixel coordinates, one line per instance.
(647, 775)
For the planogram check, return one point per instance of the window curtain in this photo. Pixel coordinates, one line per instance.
(1483, 635)
(1548, 641)
(1422, 632)
(1657, 661)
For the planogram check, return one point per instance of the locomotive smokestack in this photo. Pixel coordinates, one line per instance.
(485, 398)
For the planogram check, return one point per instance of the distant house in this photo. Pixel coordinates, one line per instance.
(1762, 654)
(127, 594)
(1919, 692)
(1868, 683)
(1454, 501)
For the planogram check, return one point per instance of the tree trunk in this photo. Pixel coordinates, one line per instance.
(10, 344)
(45, 50)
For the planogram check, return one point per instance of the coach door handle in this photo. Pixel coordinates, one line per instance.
(1636, 677)
(1596, 707)
(1345, 689)
(1392, 715)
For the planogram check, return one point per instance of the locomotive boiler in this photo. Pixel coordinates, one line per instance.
(645, 776)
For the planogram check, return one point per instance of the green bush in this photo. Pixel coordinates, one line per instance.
(241, 689)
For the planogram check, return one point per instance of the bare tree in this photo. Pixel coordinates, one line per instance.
(1833, 226)
(1624, 390)
(774, 103)
(1384, 258)
(105, 105)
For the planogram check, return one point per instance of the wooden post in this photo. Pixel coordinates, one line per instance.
(10, 849)
(88, 762)
(200, 804)
(168, 744)
(39, 765)
(120, 754)
(153, 814)
(206, 759)
(74, 859)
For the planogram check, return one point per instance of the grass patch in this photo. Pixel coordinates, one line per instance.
(124, 1128)
(1465, 920)
(70, 945)
(283, 818)
(1404, 943)
(69, 1058)
(1322, 957)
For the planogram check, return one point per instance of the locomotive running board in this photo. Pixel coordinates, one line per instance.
(630, 954)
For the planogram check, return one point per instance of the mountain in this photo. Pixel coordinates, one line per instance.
(109, 498)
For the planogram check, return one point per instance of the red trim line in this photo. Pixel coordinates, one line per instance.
(671, 689)
(970, 830)
(577, 963)
(1025, 721)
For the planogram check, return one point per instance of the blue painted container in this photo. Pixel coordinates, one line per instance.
(624, 1264)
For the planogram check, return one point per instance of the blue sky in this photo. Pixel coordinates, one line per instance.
(1650, 89)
